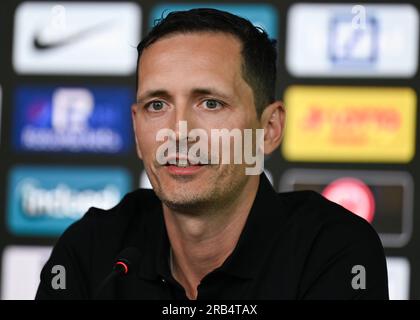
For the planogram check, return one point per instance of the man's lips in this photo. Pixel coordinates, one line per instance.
(188, 170)
(182, 166)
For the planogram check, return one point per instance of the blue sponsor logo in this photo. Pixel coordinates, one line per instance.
(261, 15)
(45, 201)
(353, 44)
(73, 119)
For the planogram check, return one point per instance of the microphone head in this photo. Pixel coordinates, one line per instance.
(128, 260)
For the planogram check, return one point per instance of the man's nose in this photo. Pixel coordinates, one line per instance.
(183, 120)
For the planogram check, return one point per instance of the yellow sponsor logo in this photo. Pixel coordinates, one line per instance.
(350, 124)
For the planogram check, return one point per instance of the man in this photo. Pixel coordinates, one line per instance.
(209, 230)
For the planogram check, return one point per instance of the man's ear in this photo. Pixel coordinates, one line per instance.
(272, 121)
(134, 115)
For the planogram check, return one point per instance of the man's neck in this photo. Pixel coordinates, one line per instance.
(201, 242)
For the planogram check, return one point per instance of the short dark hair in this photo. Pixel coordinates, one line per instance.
(258, 50)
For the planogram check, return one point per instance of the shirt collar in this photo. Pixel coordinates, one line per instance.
(259, 234)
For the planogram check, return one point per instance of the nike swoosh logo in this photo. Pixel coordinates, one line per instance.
(77, 36)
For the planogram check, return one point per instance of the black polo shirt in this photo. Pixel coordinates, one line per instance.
(295, 245)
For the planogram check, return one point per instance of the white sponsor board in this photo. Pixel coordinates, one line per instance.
(144, 181)
(344, 40)
(21, 268)
(398, 278)
(76, 38)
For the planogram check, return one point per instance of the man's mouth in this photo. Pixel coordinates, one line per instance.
(184, 164)
(178, 166)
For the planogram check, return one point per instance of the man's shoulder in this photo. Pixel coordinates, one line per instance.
(133, 208)
(329, 242)
(134, 204)
(313, 214)
(92, 243)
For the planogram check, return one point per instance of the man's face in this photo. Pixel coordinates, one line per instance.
(197, 78)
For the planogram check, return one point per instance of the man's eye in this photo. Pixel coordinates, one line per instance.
(155, 106)
(212, 104)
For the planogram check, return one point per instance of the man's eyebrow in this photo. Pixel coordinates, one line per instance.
(209, 91)
(195, 91)
(153, 93)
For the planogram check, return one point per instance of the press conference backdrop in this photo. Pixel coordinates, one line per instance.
(348, 74)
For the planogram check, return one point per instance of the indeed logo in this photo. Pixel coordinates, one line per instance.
(45, 201)
(72, 119)
(63, 201)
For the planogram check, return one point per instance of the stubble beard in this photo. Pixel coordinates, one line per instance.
(217, 192)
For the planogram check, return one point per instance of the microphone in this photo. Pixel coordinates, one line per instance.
(127, 261)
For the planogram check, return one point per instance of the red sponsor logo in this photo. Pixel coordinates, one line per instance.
(354, 195)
